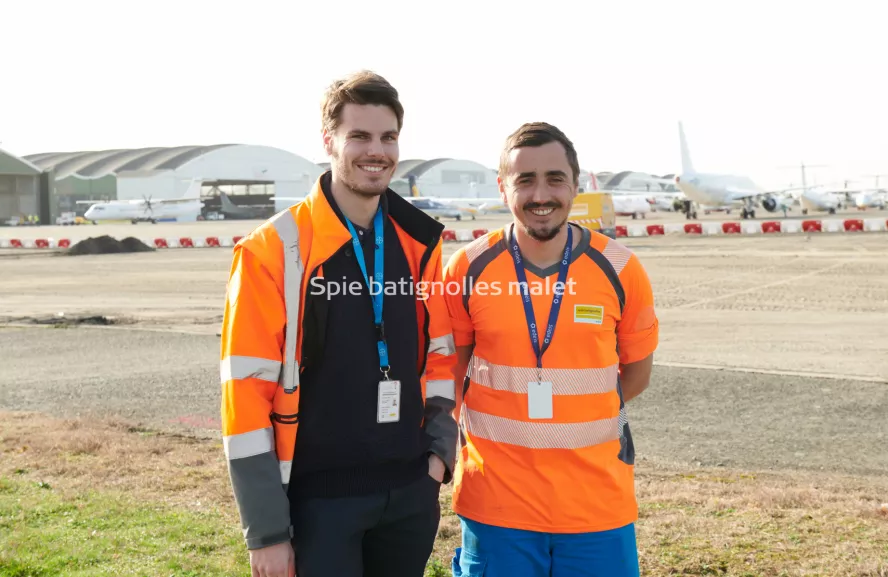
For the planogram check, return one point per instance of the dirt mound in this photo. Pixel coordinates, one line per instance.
(108, 245)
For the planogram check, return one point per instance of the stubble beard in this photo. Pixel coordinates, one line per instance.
(544, 234)
(349, 176)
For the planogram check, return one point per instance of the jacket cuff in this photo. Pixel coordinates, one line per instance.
(269, 540)
(442, 428)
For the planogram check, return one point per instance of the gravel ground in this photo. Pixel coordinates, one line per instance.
(794, 305)
(688, 416)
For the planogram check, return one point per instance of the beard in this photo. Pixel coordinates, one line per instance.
(543, 233)
(357, 180)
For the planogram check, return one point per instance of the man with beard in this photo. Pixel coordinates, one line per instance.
(544, 480)
(315, 341)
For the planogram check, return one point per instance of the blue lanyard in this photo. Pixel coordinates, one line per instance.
(377, 292)
(556, 301)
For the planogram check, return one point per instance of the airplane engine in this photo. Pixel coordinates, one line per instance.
(772, 204)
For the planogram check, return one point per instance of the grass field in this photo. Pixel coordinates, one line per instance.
(106, 498)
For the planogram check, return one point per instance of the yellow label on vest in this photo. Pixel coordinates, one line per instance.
(592, 314)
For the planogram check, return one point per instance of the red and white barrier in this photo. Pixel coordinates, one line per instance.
(730, 228)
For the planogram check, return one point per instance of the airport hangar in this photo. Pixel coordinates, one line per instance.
(48, 184)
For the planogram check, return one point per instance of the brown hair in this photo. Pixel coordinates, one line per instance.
(538, 134)
(364, 87)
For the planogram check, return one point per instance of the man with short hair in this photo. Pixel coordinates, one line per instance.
(314, 339)
(555, 331)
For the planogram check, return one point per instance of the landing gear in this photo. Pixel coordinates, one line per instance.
(748, 211)
(689, 210)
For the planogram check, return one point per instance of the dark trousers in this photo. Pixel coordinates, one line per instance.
(390, 533)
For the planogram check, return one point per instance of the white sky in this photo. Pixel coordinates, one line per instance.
(761, 85)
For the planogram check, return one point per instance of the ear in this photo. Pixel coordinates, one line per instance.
(502, 189)
(328, 142)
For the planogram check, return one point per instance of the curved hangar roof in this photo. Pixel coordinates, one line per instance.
(96, 164)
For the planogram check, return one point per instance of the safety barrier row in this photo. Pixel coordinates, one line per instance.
(754, 227)
(634, 230)
(199, 242)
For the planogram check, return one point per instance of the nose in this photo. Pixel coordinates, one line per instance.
(375, 149)
(540, 193)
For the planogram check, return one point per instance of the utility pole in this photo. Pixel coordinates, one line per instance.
(804, 168)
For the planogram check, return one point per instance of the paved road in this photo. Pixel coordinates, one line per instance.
(688, 416)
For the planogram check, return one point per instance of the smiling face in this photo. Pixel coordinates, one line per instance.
(538, 184)
(364, 148)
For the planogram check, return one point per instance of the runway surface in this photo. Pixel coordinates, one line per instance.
(775, 311)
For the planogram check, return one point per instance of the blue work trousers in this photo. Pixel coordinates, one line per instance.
(489, 551)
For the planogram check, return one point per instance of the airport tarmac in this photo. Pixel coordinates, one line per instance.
(771, 354)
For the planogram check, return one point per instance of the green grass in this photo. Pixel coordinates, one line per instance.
(43, 533)
(100, 498)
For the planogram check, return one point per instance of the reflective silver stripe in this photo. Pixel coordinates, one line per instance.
(285, 467)
(617, 254)
(285, 225)
(564, 381)
(441, 388)
(541, 434)
(248, 444)
(235, 367)
(443, 345)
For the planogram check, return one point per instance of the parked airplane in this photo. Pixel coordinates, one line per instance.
(147, 210)
(231, 210)
(870, 199)
(468, 206)
(722, 189)
(634, 205)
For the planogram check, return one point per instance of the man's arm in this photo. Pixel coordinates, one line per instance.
(252, 338)
(638, 331)
(635, 377)
(463, 356)
(460, 322)
(440, 387)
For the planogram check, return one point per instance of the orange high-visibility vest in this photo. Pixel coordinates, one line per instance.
(262, 343)
(572, 472)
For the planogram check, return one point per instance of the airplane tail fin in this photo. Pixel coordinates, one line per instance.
(414, 190)
(227, 205)
(593, 180)
(193, 191)
(687, 167)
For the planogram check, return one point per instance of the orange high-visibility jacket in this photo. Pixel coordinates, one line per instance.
(571, 472)
(262, 342)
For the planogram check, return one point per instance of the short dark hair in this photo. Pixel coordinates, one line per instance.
(538, 134)
(363, 87)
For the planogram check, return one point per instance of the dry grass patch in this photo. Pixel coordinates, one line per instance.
(717, 522)
(75, 455)
(692, 522)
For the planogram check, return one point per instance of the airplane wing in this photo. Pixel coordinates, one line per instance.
(174, 200)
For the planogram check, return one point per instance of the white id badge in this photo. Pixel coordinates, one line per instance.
(539, 400)
(388, 405)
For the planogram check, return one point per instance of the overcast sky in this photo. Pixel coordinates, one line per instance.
(760, 87)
